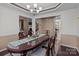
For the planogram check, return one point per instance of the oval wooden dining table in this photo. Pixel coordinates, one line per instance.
(25, 47)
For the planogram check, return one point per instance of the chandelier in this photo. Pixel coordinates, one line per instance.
(34, 9)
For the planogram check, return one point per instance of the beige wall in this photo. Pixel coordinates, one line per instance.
(70, 40)
(40, 22)
(26, 26)
(46, 24)
(25, 20)
(4, 40)
(78, 42)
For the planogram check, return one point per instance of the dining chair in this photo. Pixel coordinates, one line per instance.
(50, 48)
(22, 35)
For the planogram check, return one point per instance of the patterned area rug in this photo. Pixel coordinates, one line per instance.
(67, 51)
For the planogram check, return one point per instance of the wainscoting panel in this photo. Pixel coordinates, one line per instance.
(4, 40)
(70, 40)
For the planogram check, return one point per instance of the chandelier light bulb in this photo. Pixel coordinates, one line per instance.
(31, 10)
(40, 8)
(38, 11)
(34, 9)
(35, 5)
(28, 6)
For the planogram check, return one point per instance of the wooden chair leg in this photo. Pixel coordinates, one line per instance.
(48, 53)
(52, 52)
(11, 54)
(24, 53)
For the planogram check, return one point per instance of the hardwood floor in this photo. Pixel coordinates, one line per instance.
(67, 51)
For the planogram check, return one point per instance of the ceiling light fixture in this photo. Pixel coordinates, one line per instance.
(35, 5)
(28, 6)
(34, 9)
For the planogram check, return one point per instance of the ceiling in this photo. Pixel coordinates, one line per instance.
(50, 6)
(66, 6)
(43, 5)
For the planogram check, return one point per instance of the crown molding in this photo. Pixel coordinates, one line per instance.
(40, 11)
(52, 7)
(20, 6)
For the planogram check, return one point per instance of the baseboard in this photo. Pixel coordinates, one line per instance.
(77, 50)
(68, 46)
(3, 51)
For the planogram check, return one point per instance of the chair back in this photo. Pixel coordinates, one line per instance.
(21, 35)
(53, 45)
(48, 47)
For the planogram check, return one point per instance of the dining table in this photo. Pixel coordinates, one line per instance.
(27, 44)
